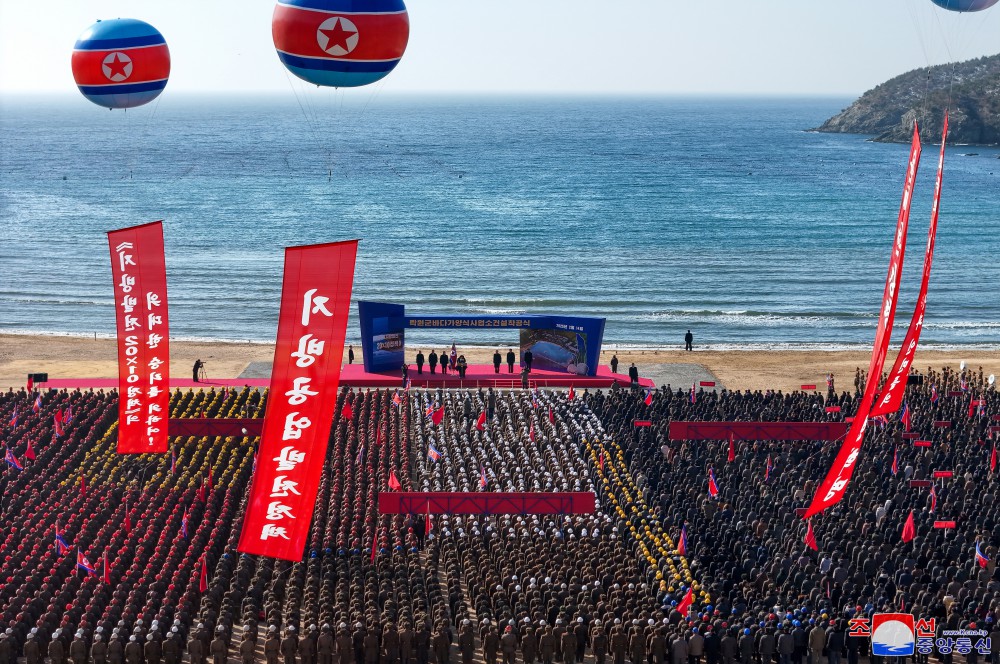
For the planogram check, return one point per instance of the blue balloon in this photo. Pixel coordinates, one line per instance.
(965, 5)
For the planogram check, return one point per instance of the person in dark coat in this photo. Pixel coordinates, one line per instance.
(57, 655)
(99, 651)
(133, 651)
(442, 644)
(529, 357)
(443, 358)
(420, 362)
(508, 645)
(404, 370)
(547, 646)
(688, 341)
(511, 358)
(289, 646)
(350, 354)
(614, 364)
(326, 646)
(32, 651)
(497, 361)
(467, 642)
(633, 375)
(116, 650)
(432, 361)
(248, 650)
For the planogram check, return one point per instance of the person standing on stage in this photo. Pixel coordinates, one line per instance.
(198, 364)
(633, 375)
(444, 362)
(420, 362)
(462, 366)
(454, 356)
(432, 360)
(614, 364)
(528, 357)
(405, 370)
(350, 354)
(510, 360)
(688, 341)
(497, 361)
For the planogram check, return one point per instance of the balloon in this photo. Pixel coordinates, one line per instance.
(121, 63)
(340, 43)
(965, 5)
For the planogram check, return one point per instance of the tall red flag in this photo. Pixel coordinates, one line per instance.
(552, 416)
(374, 545)
(29, 453)
(437, 415)
(531, 431)
(139, 270)
(203, 576)
(428, 525)
(835, 484)
(394, 481)
(600, 461)
(481, 422)
(909, 528)
(571, 394)
(810, 539)
(128, 519)
(993, 458)
(107, 570)
(685, 604)
(312, 324)
(732, 449)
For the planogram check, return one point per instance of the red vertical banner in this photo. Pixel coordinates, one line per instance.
(892, 394)
(139, 269)
(835, 484)
(315, 302)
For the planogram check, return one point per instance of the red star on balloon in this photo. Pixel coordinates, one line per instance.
(117, 66)
(338, 36)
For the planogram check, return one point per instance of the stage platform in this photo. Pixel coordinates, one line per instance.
(354, 375)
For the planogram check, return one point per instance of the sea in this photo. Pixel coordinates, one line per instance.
(725, 216)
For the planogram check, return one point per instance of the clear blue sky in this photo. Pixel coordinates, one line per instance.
(750, 47)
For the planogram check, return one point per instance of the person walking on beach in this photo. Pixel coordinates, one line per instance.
(497, 361)
(510, 360)
(688, 341)
(614, 364)
(420, 362)
(432, 361)
(528, 358)
(198, 364)
(350, 354)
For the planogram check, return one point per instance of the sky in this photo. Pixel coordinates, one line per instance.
(648, 47)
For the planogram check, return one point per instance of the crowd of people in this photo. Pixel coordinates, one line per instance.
(740, 584)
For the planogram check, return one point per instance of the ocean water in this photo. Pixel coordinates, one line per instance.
(722, 216)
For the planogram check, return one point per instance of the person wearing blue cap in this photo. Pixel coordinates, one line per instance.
(746, 647)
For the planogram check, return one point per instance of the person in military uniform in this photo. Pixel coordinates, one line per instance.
(370, 646)
(99, 651)
(345, 645)
(508, 645)
(57, 655)
(32, 651)
(406, 637)
(656, 646)
(619, 645)
(491, 643)
(390, 645)
(467, 642)
(248, 649)
(441, 644)
(116, 649)
(529, 644)
(307, 646)
(547, 646)
(272, 646)
(195, 648)
(582, 638)
(326, 645)
(133, 651)
(219, 648)
(5, 649)
(171, 648)
(152, 650)
(568, 643)
(289, 646)
(422, 643)
(599, 642)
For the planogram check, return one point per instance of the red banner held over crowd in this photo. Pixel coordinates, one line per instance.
(942, 424)
(910, 435)
(315, 301)
(706, 383)
(944, 524)
(921, 443)
(140, 275)
(806, 388)
(943, 474)
(642, 423)
(895, 386)
(835, 484)
(920, 484)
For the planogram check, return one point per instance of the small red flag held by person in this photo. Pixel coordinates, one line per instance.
(394, 481)
(83, 486)
(909, 528)
(811, 537)
(203, 577)
(531, 432)
(993, 457)
(600, 461)
(481, 422)
(571, 394)
(732, 449)
(685, 604)
(552, 416)
(347, 412)
(437, 416)
(107, 570)
(428, 525)
(29, 453)
(374, 545)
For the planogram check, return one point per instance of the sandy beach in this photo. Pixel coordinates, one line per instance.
(75, 357)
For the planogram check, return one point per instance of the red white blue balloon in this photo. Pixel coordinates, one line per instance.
(340, 43)
(965, 5)
(121, 63)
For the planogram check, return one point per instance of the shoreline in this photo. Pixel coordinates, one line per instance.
(63, 356)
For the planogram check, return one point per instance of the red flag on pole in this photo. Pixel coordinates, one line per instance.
(600, 461)
(29, 453)
(685, 604)
(993, 458)
(394, 481)
(128, 521)
(732, 449)
(571, 394)
(83, 486)
(552, 416)
(531, 431)
(203, 577)
(347, 412)
(481, 422)
(107, 571)
(909, 528)
(811, 537)
(428, 526)
(374, 545)
(437, 415)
